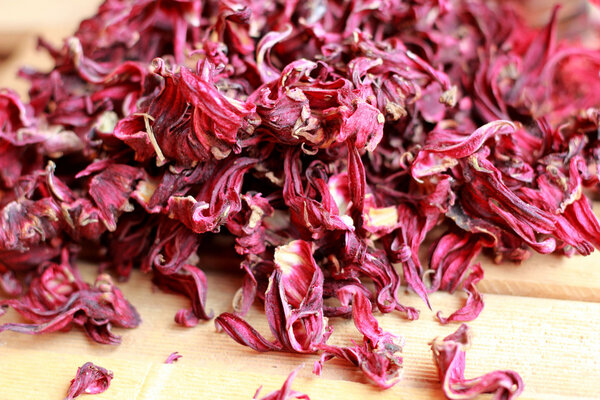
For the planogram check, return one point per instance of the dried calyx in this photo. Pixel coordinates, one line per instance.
(328, 140)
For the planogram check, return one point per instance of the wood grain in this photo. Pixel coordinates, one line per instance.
(540, 338)
(576, 278)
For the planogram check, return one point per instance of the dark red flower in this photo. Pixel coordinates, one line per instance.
(293, 305)
(57, 298)
(326, 143)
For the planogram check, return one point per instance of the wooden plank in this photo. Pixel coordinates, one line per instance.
(536, 337)
(142, 380)
(547, 276)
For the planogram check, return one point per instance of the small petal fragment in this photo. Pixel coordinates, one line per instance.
(90, 379)
(173, 357)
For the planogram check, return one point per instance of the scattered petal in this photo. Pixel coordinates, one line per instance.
(90, 379)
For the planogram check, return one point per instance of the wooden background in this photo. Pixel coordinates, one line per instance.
(541, 318)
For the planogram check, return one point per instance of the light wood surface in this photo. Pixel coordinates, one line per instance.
(553, 344)
(541, 319)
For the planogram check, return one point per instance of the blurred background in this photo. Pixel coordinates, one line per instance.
(22, 21)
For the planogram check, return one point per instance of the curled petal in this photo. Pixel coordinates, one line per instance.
(267, 71)
(190, 281)
(173, 357)
(111, 190)
(450, 258)
(243, 333)
(217, 114)
(286, 392)
(379, 355)
(294, 298)
(216, 202)
(90, 379)
(460, 147)
(474, 303)
(449, 356)
(64, 300)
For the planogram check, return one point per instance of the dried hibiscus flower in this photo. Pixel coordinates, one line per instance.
(293, 305)
(58, 298)
(90, 379)
(322, 145)
(449, 356)
(379, 354)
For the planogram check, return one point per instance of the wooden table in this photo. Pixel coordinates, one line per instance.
(541, 319)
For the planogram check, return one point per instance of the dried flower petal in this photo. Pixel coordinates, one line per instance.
(190, 281)
(449, 356)
(474, 303)
(58, 298)
(324, 142)
(173, 357)
(293, 305)
(90, 379)
(379, 355)
(286, 392)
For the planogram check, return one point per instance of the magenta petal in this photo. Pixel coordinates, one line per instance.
(243, 333)
(379, 356)
(449, 356)
(460, 147)
(474, 303)
(173, 357)
(90, 379)
(59, 299)
(294, 299)
(111, 189)
(190, 281)
(286, 392)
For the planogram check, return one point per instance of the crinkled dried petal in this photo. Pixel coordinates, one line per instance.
(450, 258)
(293, 305)
(216, 201)
(449, 356)
(294, 299)
(312, 217)
(95, 309)
(191, 282)
(173, 357)
(286, 392)
(26, 223)
(111, 189)
(474, 304)
(379, 355)
(457, 146)
(90, 379)
(244, 334)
